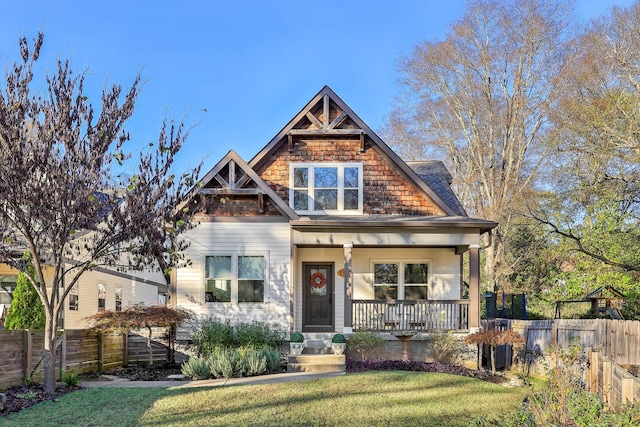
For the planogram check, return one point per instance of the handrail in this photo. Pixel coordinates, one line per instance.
(410, 315)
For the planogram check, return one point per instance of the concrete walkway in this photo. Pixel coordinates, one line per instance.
(111, 381)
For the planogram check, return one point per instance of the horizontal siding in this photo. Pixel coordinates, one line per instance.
(133, 292)
(445, 273)
(270, 239)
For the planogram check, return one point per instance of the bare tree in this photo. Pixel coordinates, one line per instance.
(480, 99)
(58, 199)
(595, 204)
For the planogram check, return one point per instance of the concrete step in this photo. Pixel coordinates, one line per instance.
(316, 363)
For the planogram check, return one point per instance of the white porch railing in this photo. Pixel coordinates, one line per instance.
(405, 315)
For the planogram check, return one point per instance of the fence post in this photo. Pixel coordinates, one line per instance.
(125, 349)
(606, 383)
(627, 390)
(100, 352)
(594, 370)
(27, 347)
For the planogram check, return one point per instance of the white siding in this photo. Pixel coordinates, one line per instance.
(444, 265)
(133, 292)
(220, 238)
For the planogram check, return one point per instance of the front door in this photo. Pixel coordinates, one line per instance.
(317, 308)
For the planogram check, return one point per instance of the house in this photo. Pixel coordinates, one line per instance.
(326, 230)
(99, 289)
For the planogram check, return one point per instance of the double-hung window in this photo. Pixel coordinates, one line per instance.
(326, 188)
(74, 298)
(400, 280)
(118, 299)
(102, 296)
(231, 278)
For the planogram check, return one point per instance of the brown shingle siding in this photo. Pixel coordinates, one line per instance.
(386, 190)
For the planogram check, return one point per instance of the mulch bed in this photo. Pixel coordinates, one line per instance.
(21, 397)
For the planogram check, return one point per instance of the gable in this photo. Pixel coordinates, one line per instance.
(326, 130)
(232, 189)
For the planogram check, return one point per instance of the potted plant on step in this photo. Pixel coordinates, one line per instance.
(296, 343)
(338, 344)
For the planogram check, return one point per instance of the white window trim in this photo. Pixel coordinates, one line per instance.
(104, 296)
(401, 263)
(310, 188)
(234, 277)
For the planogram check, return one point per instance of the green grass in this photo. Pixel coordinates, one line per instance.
(363, 399)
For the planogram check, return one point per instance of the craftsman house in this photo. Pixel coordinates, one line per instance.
(326, 229)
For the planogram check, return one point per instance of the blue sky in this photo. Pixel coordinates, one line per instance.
(252, 65)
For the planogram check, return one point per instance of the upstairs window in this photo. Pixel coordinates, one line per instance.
(326, 188)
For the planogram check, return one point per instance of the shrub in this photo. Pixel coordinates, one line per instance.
(256, 363)
(338, 339)
(296, 337)
(274, 360)
(26, 310)
(364, 342)
(565, 401)
(70, 379)
(227, 363)
(212, 335)
(446, 348)
(196, 368)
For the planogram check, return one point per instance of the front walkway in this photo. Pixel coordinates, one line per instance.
(110, 381)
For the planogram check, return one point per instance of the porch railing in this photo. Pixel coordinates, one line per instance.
(405, 315)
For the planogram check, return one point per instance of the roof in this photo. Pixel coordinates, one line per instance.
(599, 293)
(325, 94)
(438, 178)
(237, 184)
(390, 221)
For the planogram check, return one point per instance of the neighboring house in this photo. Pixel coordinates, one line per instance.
(97, 290)
(326, 229)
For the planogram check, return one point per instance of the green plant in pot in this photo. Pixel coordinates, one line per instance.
(296, 343)
(338, 344)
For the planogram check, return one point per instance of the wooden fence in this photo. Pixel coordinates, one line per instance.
(612, 347)
(80, 351)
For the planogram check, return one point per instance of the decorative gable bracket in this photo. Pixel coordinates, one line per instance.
(323, 126)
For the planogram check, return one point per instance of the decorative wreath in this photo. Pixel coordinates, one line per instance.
(318, 280)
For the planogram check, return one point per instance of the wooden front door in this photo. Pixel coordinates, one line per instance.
(317, 308)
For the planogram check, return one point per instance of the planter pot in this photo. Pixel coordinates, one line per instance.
(296, 347)
(338, 347)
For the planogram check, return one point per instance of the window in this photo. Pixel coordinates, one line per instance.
(235, 277)
(102, 295)
(400, 280)
(250, 279)
(7, 286)
(322, 188)
(73, 298)
(118, 299)
(218, 279)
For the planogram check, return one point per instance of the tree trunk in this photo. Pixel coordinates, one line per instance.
(49, 358)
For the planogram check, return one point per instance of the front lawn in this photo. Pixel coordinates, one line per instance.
(369, 398)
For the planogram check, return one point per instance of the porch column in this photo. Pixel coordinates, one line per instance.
(474, 288)
(348, 287)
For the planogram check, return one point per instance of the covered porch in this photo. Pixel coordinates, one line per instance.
(352, 251)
